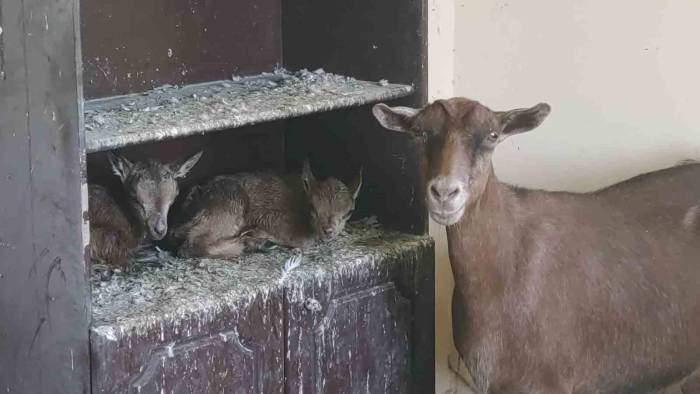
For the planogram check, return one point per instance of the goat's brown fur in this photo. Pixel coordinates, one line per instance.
(112, 235)
(560, 292)
(117, 228)
(234, 213)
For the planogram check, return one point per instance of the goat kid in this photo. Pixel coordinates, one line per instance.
(234, 213)
(150, 188)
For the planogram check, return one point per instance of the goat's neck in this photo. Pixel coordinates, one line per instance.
(481, 244)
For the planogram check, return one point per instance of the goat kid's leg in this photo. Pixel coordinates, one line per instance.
(219, 249)
(692, 384)
(226, 248)
(194, 247)
(258, 240)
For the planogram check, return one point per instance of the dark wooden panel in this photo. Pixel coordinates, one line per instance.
(362, 342)
(341, 142)
(44, 301)
(133, 45)
(239, 350)
(2, 50)
(366, 39)
(360, 331)
(380, 40)
(423, 340)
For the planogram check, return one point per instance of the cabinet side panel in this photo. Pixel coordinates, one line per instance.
(44, 300)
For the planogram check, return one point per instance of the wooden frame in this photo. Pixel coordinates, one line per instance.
(45, 302)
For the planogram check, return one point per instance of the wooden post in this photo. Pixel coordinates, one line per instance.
(44, 295)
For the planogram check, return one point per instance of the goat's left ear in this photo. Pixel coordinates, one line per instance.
(181, 169)
(394, 118)
(521, 120)
(121, 166)
(356, 185)
(308, 179)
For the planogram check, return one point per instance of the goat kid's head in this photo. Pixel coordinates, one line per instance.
(332, 201)
(461, 135)
(151, 188)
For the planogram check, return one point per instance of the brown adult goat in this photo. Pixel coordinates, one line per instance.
(560, 292)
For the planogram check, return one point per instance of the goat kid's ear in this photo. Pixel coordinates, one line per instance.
(521, 120)
(181, 169)
(394, 118)
(121, 166)
(356, 185)
(307, 177)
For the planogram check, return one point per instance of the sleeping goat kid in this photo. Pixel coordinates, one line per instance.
(150, 188)
(234, 213)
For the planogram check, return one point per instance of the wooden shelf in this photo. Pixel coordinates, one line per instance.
(178, 289)
(170, 112)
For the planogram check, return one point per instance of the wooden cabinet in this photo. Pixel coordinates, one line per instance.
(154, 80)
(351, 323)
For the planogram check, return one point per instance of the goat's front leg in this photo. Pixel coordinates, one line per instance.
(691, 384)
(258, 240)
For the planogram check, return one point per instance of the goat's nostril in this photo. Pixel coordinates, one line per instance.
(453, 193)
(435, 192)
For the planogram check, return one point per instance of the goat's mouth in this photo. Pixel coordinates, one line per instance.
(155, 235)
(445, 217)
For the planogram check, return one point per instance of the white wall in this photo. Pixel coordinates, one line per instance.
(621, 76)
(623, 79)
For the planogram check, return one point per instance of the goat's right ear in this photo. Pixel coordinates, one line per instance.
(121, 166)
(356, 184)
(181, 169)
(394, 118)
(521, 120)
(307, 177)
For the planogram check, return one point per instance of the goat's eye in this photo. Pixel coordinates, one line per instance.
(493, 136)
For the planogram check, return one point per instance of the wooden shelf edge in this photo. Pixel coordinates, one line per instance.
(171, 112)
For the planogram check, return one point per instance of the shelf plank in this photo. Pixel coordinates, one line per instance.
(170, 112)
(184, 288)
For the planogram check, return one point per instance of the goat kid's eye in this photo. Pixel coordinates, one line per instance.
(493, 136)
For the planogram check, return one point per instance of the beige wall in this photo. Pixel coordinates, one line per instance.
(623, 79)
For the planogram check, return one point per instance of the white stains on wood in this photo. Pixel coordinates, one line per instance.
(691, 220)
(140, 299)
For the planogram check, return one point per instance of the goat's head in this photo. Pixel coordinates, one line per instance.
(151, 188)
(332, 202)
(461, 137)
